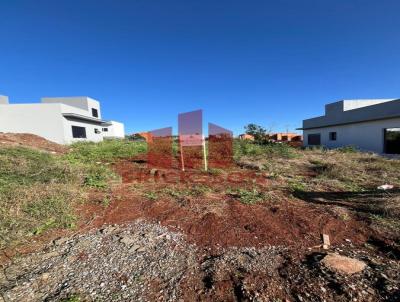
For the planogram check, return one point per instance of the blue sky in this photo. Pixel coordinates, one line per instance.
(269, 62)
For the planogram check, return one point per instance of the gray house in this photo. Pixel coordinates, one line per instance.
(63, 120)
(370, 125)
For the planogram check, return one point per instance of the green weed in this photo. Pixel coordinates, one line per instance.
(247, 196)
(105, 151)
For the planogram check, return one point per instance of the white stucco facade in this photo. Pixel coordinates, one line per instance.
(114, 130)
(55, 118)
(368, 136)
(357, 123)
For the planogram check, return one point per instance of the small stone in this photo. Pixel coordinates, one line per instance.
(342, 264)
(384, 276)
(127, 240)
(323, 289)
(134, 248)
(45, 276)
(107, 230)
(60, 241)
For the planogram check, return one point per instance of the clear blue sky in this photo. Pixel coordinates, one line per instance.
(269, 62)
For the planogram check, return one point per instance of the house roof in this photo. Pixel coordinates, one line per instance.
(354, 111)
(87, 118)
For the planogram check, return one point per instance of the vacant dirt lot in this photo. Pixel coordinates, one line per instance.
(152, 236)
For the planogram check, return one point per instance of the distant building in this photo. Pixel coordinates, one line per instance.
(246, 137)
(284, 136)
(370, 125)
(63, 120)
(114, 130)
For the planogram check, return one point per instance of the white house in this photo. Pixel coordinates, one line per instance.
(63, 120)
(370, 125)
(114, 130)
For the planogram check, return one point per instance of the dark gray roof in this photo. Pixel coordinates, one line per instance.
(87, 118)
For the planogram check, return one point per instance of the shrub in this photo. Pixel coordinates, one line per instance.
(249, 148)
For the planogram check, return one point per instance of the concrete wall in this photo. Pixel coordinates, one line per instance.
(46, 119)
(41, 119)
(90, 130)
(84, 103)
(367, 136)
(115, 130)
(68, 122)
(355, 104)
(355, 111)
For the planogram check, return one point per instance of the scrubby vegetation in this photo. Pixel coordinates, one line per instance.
(243, 148)
(106, 151)
(39, 190)
(344, 177)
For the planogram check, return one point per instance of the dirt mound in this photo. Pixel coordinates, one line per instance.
(216, 219)
(30, 140)
(224, 223)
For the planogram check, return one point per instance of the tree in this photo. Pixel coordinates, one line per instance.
(259, 133)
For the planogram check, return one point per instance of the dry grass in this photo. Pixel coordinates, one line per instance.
(341, 177)
(37, 192)
(31, 210)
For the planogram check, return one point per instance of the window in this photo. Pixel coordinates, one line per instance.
(392, 140)
(95, 112)
(97, 131)
(332, 136)
(105, 129)
(78, 132)
(314, 139)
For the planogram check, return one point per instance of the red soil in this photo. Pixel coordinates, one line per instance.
(30, 140)
(218, 220)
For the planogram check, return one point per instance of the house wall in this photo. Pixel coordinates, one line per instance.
(367, 136)
(355, 112)
(41, 119)
(90, 130)
(68, 122)
(84, 103)
(115, 130)
(46, 119)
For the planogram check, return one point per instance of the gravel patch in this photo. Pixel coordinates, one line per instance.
(134, 262)
(118, 263)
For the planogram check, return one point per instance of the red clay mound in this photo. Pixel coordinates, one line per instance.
(30, 140)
